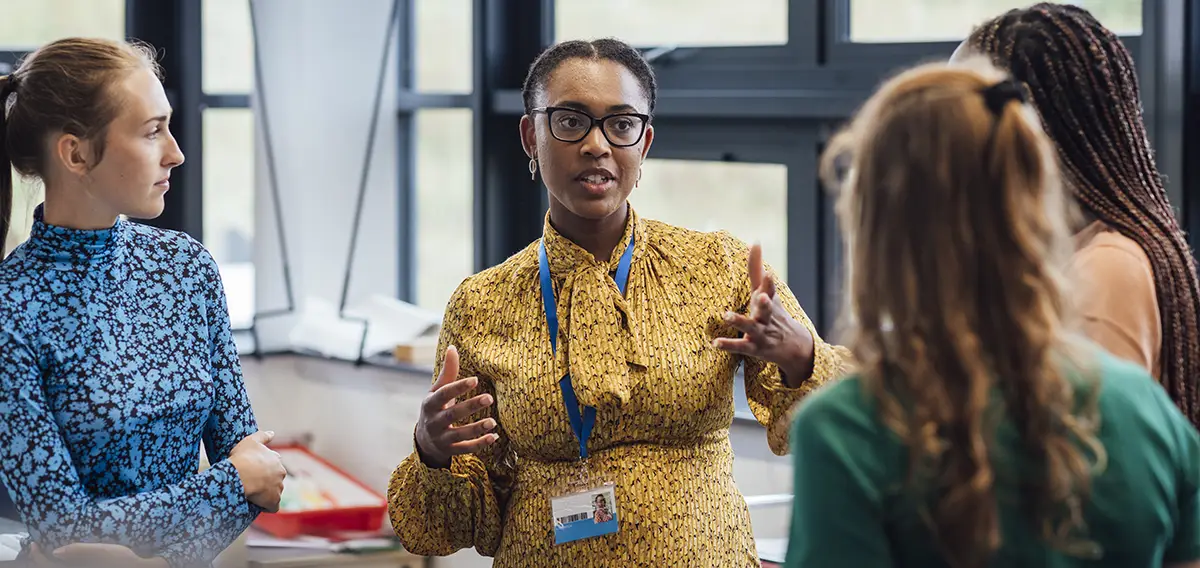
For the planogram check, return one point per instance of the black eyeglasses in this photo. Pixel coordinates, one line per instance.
(622, 129)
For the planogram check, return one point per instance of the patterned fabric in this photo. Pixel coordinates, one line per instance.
(664, 399)
(116, 361)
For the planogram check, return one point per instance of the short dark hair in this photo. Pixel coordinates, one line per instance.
(1082, 82)
(606, 48)
(64, 86)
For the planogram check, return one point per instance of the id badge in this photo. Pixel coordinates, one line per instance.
(584, 514)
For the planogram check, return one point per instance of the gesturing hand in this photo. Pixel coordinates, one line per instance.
(769, 332)
(438, 439)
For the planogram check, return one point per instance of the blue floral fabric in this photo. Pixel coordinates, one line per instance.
(116, 361)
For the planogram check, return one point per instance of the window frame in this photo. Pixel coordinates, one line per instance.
(842, 51)
(757, 66)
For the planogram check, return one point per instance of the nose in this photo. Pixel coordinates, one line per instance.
(595, 145)
(174, 155)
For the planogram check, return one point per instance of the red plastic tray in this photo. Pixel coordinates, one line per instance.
(324, 522)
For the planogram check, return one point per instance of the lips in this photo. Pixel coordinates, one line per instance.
(597, 181)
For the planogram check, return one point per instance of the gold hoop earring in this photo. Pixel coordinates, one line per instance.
(533, 168)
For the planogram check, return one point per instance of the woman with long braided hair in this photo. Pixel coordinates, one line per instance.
(1136, 280)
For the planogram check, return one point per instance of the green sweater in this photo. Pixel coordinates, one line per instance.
(851, 509)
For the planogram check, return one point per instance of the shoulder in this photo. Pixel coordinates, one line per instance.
(689, 247)
(1112, 260)
(169, 246)
(1126, 389)
(840, 410)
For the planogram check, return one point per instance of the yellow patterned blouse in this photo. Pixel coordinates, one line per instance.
(664, 399)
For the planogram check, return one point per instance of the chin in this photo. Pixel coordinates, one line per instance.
(596, 209)
(149, 210)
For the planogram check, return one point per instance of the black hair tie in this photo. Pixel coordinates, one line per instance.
(998, 95)
(10, 85)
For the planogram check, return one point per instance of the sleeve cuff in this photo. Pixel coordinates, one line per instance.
(237, 491)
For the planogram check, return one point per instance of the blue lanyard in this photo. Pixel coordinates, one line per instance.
(582, 425)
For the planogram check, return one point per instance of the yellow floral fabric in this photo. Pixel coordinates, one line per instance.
(663, 394)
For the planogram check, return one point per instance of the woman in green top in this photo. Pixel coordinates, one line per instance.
(978, 430)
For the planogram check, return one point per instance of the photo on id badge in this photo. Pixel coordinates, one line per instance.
(585, 514)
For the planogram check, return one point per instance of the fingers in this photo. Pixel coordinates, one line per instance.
(756, 266)
(460, 411)
(441, 398)
(768, 285)
(474, 446)
(39, 558)
(263, 437)
(741, 345)
(449, 369)
(469, 432)
(741, 323)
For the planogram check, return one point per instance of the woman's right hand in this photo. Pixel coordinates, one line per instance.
(261, 470)
(438, 439)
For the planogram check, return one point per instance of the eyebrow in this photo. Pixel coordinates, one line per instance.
(159, 118)
(582, 107)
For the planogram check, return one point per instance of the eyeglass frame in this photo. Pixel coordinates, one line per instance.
(550, 110)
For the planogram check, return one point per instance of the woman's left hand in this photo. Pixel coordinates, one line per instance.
(94, 555)
(770, 333)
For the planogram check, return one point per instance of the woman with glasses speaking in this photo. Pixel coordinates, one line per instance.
(598, 363)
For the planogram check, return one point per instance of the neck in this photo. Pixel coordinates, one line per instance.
(1085, 218)
(597, 236)
(83, 213)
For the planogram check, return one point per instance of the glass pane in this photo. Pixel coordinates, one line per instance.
(697, 195)
(674, 22)
(228, 47)
(229, 204)
(444, 210)
(30, 23)
(952, 20)
(27, 194)
(443, 46)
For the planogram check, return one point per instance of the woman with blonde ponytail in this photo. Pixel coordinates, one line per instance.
(117, 361)
(980, 429)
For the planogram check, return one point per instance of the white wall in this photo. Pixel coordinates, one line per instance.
(320, 62)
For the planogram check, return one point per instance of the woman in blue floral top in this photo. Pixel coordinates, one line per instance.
(116, 354)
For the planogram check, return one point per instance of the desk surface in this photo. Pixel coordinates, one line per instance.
(9, 526)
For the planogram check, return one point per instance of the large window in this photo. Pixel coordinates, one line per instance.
(890, 21)
(27, 193)
(749, 200)
(229, 204)
(227, 156)
(438, 173)
(28, 24)
(444, 188)
(670, 22)
(443, 46)
(228, 47)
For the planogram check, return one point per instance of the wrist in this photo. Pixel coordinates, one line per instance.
(430, 459)
(799, 368)
(243, 476)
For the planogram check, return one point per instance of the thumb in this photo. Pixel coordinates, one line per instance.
(263, 437)
(449, 368)
(756, 266)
